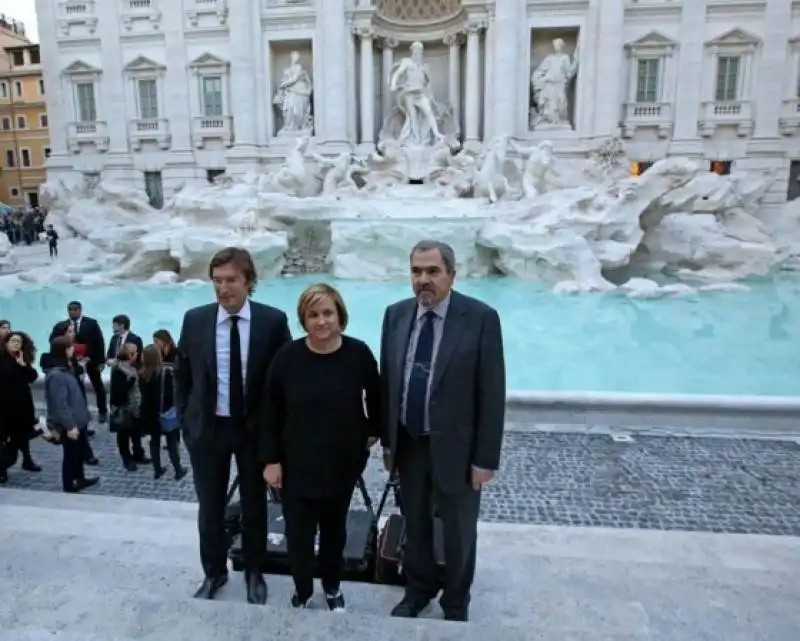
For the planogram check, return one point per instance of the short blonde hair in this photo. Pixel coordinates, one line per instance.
(314, 295)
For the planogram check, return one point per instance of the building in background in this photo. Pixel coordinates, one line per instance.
(24, 137)
(157, 94)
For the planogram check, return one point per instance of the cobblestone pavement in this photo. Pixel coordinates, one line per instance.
(700, 484)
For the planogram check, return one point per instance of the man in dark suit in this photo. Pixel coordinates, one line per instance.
(88, 333)
(444, 394)
(224, 351)
(121, 325)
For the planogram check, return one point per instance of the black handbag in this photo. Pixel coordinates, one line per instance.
(120, 420)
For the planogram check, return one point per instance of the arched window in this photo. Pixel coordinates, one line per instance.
(418, 10)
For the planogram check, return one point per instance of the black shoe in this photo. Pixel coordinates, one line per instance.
(91, 433)
(81, 484)
(157, 474)
(180, 473)
(457, 615)
(30, 466)
(409, 608)
(256, 588)
(210, 586)
(299, 603)
(130, 466)
(335, 601)
(102, 418)
(91, 461)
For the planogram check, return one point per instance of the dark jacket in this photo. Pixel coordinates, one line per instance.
(123, 381)
(91, 335)
(66, 405)
(130, 338)
(17, 414)
(154, 403)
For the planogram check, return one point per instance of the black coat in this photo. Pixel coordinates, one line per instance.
(152, 401)
(91, 335)
(17, 413)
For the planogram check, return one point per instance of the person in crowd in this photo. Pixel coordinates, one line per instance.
(444, 395)
(77, 365)
(17, 413)
(166, 346)
(52, 241)
(5, 329)
(156, 382)
(121, 326)
(315, 437)
(67, 414)
(125, 399)
(224, 351)
(89, 343)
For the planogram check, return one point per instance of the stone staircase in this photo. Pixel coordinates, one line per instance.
(91, 568)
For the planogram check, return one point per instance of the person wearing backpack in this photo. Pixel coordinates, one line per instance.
(157, 414)
(125, 400)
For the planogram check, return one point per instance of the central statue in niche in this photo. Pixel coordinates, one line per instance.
(418, 119)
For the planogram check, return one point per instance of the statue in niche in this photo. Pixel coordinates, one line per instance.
(418, 119)
(293, 99)
(549, 84)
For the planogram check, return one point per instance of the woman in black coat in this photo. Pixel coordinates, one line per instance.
(17, 413)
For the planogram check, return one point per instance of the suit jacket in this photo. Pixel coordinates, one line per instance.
(196, 367)
(468, 388)
(91, 335)
(131, 338)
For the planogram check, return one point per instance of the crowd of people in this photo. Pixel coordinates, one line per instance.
(299, 415)
(141, 392)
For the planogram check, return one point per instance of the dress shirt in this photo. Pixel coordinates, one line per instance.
(224, 354)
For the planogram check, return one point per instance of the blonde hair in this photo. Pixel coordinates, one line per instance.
(314, 295)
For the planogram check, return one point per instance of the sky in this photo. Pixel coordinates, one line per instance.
(24, 11)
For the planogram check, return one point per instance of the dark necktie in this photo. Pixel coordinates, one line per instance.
(417, 392)
(236, 392)
(119, 345)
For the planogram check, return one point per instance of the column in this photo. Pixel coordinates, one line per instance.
(691, 65)
(473, 96)
(242, 99)
(453, 42)
(367, 96)
(608, 96)
(387, 62)
(332, 46)
(112, 95)
(176, 104)
(769, 94)
(508, 75)
(57, 103)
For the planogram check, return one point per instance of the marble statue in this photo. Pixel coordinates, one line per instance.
(537, 165)
(418, 119)
(293, 98)
(549, 84)
(336, 173)
(490, 180)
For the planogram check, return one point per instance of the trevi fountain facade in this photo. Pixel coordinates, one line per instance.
(587, 144)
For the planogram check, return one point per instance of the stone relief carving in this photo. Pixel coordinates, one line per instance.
(293, 99)
(417, 119)
(536, 167)
(549, 83)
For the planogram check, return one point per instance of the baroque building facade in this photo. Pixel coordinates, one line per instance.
(156, 93)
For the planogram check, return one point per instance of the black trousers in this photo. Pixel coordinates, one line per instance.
(53, 250)
(129, 445)
(210, 457)
(72, 462)
(172, 438)
(98, 387)
(303, 518)
(86, 447)
(459, 515)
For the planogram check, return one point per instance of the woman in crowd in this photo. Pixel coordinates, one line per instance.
(17, 413)
(125, 400)
(67, 414)
(47, 362)
(166, 346)
(5, 329)
(316, 437)
(156, 383)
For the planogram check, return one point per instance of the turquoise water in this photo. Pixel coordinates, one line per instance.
(711, 343)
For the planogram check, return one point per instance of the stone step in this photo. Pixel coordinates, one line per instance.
(125, 570)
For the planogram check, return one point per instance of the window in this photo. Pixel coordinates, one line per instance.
(154, 189)
(33, 199)
(638, 168)
(43, 121)
(14, 192)
(6, 124)
(213, 174)
(727, 78)
(647, 76)
(18, 58)
(18, 88)
(721, 167)
(35, 56)
(25, 157)
(41, 87)
(212, 96)
(148, 98)
(22, 123)
(45, 154)
(11, 158)
(3, 90)
(84, 97)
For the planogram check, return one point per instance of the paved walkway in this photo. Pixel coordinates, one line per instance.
(693, 484)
